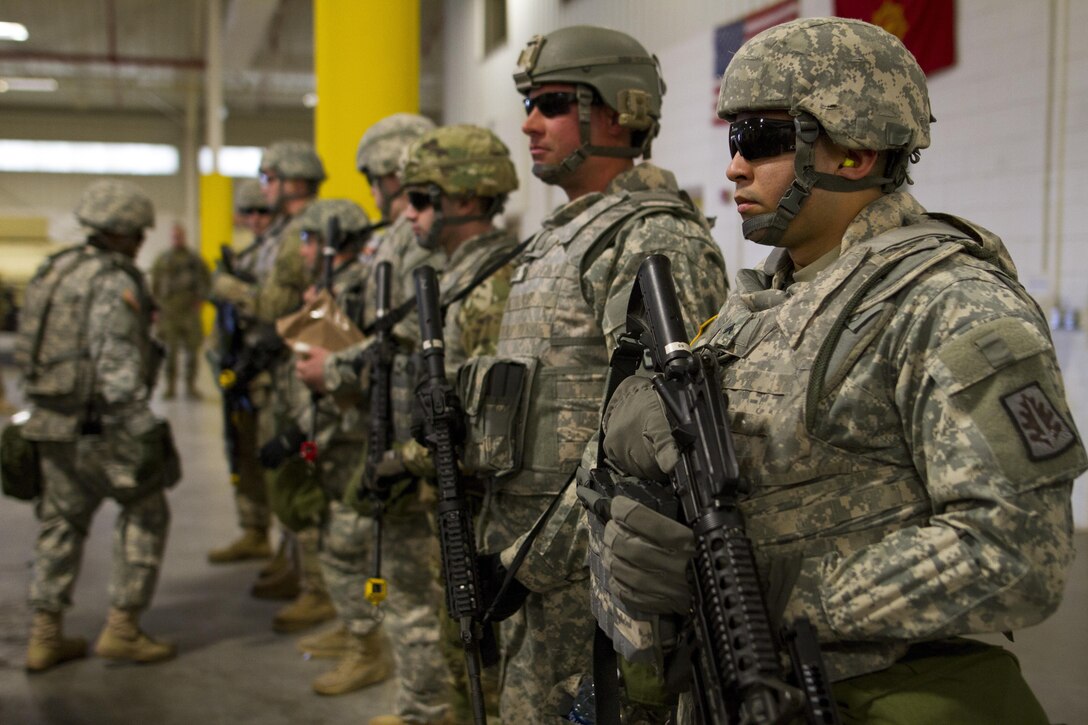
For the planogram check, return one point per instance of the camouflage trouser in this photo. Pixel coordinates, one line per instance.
(181, 332)
(76, 479)
(347, 545)
(547, 645)
(250, 494)
(410, 549)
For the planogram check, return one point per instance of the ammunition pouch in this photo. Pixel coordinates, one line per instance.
(154, 460)
(20, 468)
(495, 392)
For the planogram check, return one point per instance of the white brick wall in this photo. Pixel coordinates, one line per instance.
(1017, 68)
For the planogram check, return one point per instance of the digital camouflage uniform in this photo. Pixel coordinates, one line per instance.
(179, 284)
(89, 362)
(898, 413)
(564, 311)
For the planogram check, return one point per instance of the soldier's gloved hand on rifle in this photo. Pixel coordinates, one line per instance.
(637, 438)
(647, 555)
(389, 471)
(274, 452)
(492, 574)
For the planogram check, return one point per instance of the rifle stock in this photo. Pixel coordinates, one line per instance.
(456, 537)
(737, 673)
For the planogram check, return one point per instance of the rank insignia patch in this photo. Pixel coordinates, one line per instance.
(1041, 427)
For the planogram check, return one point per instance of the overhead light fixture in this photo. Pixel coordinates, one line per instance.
(34, 85)
(310, 100)
(13, 31)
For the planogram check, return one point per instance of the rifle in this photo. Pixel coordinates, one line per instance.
(381, 420)
(443, 431)
(308, 450)
(737, 674)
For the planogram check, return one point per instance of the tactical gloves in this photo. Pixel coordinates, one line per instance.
(638, 440)
(274, 452)
(647, 555)
(503, 605)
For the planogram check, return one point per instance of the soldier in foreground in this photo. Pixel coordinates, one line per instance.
(179, 284)
(894, 398)
(89, 364)
(592, 98)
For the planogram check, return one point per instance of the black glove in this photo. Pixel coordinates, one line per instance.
(274, 452)
(492, 575)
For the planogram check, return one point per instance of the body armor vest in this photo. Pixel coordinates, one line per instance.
(52, 348)
(550, 329)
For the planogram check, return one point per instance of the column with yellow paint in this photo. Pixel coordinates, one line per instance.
(366, 62)
(216, 224)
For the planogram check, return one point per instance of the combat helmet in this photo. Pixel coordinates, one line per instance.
(115, 207)
(382, 145)
(352, 227)
(853, 80)
(459, 161)
(293, 160)
(249, 196)
(604, 63)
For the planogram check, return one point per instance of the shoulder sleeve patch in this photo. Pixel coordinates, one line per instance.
(1042, 428)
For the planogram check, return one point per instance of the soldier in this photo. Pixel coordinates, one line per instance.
(240, 425)
(411, 607)
(89, 362)
(593, 105)
(6, 309)
(179, 283)
(340, 435)
(894, 397)
(457, 180)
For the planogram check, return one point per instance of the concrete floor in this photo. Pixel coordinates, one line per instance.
(232, 668)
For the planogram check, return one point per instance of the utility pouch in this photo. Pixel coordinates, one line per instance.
(495, 394)
(295, 494)
(20, 469)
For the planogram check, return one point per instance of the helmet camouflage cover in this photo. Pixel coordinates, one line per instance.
(857, 80)
(293, 160)
(115, 207)
(381, 147)
(461, 160)
(350, 215)
(249, 196)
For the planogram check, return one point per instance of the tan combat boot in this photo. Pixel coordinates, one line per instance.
(252, 544)
(367, 662)
(48, 646)
(309, 608)
(122, 639)
(330, 643)
(281, 585)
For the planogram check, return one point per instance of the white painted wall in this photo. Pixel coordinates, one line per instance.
(993, 158)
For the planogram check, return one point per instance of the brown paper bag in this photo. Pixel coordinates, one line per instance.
(320, 323)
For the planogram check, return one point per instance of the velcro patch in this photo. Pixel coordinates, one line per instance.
(1042, 429)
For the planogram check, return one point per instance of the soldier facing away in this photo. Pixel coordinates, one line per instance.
(592, 98)
(179, 284)
(89, 364)
(894, 398)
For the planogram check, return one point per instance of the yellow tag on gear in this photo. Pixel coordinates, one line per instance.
(375, 590)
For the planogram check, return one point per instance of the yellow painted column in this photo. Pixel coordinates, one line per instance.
(216, 224)
(366, 61)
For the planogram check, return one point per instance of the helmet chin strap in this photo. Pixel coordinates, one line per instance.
(554, 173)
(805, 179)
(430, 242)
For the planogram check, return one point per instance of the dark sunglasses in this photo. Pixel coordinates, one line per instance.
(551, 105)
(421, 200)
(761, 138)
(247, 210)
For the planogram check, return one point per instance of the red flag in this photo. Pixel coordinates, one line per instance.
(926, 27)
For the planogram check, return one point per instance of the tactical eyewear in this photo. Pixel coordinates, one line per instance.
(247, 210)
(420, 200)
(267, 178)
(551, 105)
(761, 138)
